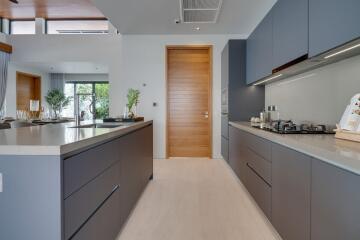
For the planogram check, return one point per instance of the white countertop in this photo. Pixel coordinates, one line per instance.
(58, 139)
(341, 153)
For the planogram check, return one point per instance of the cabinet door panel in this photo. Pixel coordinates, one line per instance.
(85, 166)
(332, 23)
(260, 51)
(291, 30)
(259, 189)
(82, 204)
(104, 224)
(335, 198)
(136, 167)
(291, 176)
(237, 152)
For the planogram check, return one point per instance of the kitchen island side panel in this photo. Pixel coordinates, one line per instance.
(31, 197)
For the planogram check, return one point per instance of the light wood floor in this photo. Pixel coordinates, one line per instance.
(196, 199)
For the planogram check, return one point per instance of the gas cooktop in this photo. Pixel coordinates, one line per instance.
(289, 127)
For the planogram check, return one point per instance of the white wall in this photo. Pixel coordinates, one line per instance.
(10, 97)
(144, 62)
(319, 96)
(86, 77)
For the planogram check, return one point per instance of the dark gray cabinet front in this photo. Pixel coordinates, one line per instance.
(136, 167)
(290, 30)
(291, 184)
(335, 203)
(225, 148)
(236, 152)
(260, 51)
(332, 23)
(105, 222)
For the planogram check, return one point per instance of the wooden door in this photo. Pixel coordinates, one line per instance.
(28, 87)
(189, 101)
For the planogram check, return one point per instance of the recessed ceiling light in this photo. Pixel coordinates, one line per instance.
(197, 28)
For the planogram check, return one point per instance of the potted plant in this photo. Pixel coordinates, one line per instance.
(133, 100)
(57, 100)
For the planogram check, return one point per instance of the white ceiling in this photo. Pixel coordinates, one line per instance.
(66, 67)
(157, 16)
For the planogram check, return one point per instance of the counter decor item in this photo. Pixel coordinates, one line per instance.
(349, 127)
(57, 101)
(131, 106)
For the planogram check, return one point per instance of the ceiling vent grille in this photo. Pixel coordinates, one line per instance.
(200, 11)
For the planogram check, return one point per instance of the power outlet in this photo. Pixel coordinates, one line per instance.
(1, 183)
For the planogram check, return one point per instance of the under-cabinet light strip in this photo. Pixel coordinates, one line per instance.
(268, 79)
(342, 51)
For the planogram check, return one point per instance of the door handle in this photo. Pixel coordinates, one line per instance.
(206, 114)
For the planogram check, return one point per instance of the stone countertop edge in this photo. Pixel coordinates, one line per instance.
(340, 153)
(57, 150)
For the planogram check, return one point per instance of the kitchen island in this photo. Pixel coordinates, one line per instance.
(64, 182)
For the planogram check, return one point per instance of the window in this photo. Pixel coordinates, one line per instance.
(77, 27)
(22, 27)
(94, 103)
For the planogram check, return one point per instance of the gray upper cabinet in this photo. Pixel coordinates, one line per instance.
(290, 30)
(335, 208)
(332, 23)
(260, 51)
(291, 189)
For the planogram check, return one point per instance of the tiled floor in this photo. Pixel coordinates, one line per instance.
(196, 199)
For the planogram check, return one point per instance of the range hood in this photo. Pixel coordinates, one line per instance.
(304, 64)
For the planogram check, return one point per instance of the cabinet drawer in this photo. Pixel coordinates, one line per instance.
(105, 223)
(260, 191)
(83, 167)
(259, 165)
(82, 204)
(260, 146)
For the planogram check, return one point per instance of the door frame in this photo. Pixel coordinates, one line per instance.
(210, 102)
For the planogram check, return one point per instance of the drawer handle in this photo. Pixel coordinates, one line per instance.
(96, 210)
(257, 174)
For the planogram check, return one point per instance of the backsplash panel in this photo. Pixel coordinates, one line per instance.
(319, 96)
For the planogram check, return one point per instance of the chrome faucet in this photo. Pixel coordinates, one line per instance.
(77, 106)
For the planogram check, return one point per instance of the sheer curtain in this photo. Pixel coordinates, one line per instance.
(57, 81)
(4, 62)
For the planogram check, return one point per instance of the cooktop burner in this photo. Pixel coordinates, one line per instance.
(289, 127)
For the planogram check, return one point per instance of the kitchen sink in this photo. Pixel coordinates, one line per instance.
(98, 125)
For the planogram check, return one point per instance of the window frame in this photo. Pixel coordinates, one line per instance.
(21, 20)
(47, 20)
(93, 83)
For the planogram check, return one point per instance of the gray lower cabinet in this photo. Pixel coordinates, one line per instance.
(335, 203)
(304, 198)
(291, 193)
(253, 170)
(259, 189)
(110, 179)
(105, 222)
(225, 148)
(136, 168)
(236, 152)
(77, 211)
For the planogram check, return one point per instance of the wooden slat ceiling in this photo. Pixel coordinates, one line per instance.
(50, 9)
